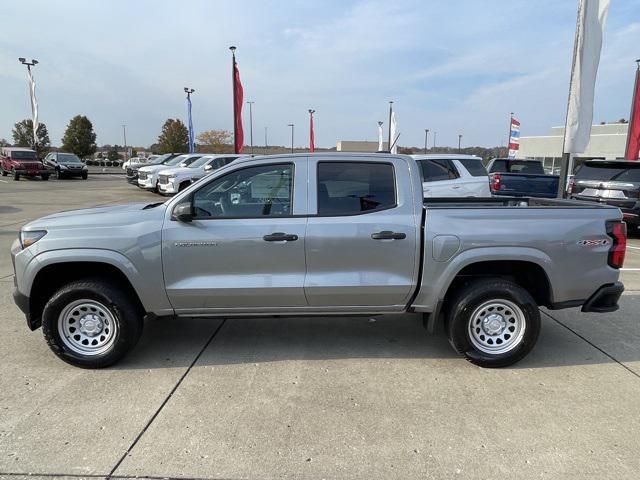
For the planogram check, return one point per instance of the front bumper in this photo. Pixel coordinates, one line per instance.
(169, 188)
(148, 183)
(31, 173)
(605, 299)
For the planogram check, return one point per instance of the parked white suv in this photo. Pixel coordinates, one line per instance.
(451, 175)
(148, 176)
(175, 180)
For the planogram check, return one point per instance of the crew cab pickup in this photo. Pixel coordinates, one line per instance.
(521, 178)
(18, 161)
(317, 234)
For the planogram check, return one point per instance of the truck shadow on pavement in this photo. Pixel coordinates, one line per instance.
(172, 343)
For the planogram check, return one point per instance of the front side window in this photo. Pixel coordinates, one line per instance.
(253, 192)
(435, 170)
(347, 188)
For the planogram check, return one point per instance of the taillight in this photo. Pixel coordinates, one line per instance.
(617, 230)
(570, 186)
(495, 182)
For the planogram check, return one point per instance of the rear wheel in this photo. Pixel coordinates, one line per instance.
(91, 323)
(493, 322)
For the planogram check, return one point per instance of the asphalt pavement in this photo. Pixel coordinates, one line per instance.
(312, 398)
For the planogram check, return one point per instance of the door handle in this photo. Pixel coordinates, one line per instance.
(280, 237)
(388, 235)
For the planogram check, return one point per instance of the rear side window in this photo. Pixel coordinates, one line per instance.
(438, 169)
(347, 188)
(608, 172)
(474, 167)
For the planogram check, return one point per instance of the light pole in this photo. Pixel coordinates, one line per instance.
(426, 138)
(192, 140)
(292, 127)
(251, 124)
(34, 102)
(459, 142)
(435, 134)
(266, 144)
(124, 133)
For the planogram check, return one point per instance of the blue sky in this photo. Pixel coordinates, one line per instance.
(454, 67)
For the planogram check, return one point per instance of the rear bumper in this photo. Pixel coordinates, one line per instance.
(605, 299)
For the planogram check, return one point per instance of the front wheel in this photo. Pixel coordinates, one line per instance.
(84, 175)
(16, 175)
(4, 172)
(493, 322)
(91, 323)
(45, 177)
(59, 175)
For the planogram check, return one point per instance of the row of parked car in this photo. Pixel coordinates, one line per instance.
(171, 173)
(23, 162)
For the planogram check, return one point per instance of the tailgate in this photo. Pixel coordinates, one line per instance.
(528, 185)
(618, 194)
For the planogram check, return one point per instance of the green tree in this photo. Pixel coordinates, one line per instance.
(23, 136)
(3, 143)
(174, 137)
(113, 155)
(79, 137)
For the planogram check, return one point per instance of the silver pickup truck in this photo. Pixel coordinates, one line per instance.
(323, 234)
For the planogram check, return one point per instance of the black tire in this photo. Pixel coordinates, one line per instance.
(85, 175)
(462, 311)
(4, 173)
(44, 177)
(183, 185)
(16, 175)
(127, 318)
(59, 175)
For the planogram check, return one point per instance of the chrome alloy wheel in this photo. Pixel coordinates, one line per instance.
(87, 327)
(497, 326)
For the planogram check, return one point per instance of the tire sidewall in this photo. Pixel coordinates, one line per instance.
(470, 299)
(127, 331)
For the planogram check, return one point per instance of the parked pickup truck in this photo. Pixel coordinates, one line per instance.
(324, 234)
(18, 161)
(521, 178)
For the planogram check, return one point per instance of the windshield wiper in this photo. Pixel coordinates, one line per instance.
(152, 205)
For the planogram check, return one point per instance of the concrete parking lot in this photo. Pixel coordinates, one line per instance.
(313, 398)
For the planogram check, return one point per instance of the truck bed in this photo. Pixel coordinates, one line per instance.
(508, 202)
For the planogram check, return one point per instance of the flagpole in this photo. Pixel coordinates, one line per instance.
(509, 133)
(390, 113)
(312, 146)
(235, 112)
(633, 102)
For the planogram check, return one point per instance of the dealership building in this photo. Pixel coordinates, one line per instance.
(608, 142)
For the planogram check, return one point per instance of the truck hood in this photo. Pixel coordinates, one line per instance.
(154, 168)
(108, 216)
(177, 171)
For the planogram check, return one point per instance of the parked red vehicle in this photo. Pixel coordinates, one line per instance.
(17, 162)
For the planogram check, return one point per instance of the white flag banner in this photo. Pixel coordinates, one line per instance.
(394, 133)
(380, 141)
(34, 106)
(592, 16)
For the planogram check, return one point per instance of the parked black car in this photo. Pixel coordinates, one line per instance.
(614, 182)
(66, 165)
(132, 170)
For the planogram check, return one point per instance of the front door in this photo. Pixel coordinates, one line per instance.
(244, 250)
(362, 244)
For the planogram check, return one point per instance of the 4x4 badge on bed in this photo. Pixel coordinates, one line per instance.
(593, 243)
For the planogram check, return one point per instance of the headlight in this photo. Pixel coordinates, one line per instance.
(171, 176)
(85, 168)
(28, 238)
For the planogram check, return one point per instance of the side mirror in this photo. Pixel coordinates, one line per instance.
(208, 168)
(183, 212)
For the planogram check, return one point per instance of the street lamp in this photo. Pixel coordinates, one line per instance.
(459, 142)
(292, 128)
(251, 124)
(266, 144)
(34, 102)
(192, 140)
(426, 137)
(435, 134)
(124, 133)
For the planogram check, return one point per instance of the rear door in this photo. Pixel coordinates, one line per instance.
(361, 244)
(473, 177)
(440, 178)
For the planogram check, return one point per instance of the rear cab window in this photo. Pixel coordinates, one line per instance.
(435, 170)
(351, 188)
(517, 166)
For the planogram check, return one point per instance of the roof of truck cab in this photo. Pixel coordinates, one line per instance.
(448, 156)
(332, 155)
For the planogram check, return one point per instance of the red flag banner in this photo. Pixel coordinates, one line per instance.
(237, 110)
(633, 134)
(312, 145)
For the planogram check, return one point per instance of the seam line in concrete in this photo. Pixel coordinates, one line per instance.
(166, 400)
(96, 475)
(593, 345)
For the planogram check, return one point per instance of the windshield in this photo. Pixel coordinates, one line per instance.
(608, 172)
(160, 159)
(23, 155)
(176, 161)
(199, 162)
(68, 158)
